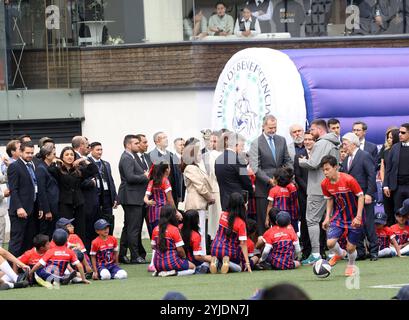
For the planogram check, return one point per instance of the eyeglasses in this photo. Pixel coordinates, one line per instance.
(403, 132)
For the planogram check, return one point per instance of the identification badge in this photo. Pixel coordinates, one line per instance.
(98, 185)
(105, 185)
(35, 189)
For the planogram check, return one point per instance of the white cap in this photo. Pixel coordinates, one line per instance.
(351, 137)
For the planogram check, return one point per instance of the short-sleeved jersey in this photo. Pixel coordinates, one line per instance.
(402, 234)
(104, 251)
(195, 246)
(74, 239)
(282, 241)
(224, 245)
(344, 192)
(285, 199)
(157, 194)
(30, 257)
(53, 245)
(385, 235)
(168, 259)
(57, 259)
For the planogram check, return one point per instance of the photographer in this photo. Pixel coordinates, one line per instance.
(70, 174)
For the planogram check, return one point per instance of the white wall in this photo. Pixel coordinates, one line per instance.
(111, 116)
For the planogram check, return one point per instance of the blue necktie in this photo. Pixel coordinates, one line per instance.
(272, 147)
(33, 176)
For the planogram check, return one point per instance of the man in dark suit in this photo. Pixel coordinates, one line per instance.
(231, 169)
(160, 154)
(360, 128)
(397, 168)
(23, 201)
(134, 180)
(360, 165)
(267, 153)
(145, 162)
(81, 147)
(106, 196)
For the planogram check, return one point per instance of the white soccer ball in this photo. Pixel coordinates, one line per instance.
(321, 268)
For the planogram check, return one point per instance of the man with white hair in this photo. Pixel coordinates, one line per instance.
(296, 147)
(360, 165)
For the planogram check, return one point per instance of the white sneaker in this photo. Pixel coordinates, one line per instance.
(167, 273)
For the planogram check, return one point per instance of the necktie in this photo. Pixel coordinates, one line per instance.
(99, 165)
(350, 162)
(33, 177)
(144, 166)
(272, 147)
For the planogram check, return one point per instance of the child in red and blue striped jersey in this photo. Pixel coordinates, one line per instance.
(191, 237)
(52, 265)
(386, 237)
(284, 196)
(104, 254)
(158, 193)
(281, 244)
(230, 242)
(170, 257)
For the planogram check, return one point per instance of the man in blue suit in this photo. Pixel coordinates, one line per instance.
(397, 168)
(360, 128)
(23, 201)
(360, 165)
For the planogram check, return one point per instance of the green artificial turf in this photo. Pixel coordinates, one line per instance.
(141, 285)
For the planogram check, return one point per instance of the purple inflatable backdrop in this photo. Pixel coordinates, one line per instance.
(367, 84)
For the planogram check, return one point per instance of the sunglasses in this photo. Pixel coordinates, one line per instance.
(403, 132)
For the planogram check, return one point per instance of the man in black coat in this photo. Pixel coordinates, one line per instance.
(134, 180)
(360, 165)
(101, 198)
(231, 169)
(397, 168)
(23, 201)
(360, 128)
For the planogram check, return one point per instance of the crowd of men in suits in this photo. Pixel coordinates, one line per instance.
(40, 190)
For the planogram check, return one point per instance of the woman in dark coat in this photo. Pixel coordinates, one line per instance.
(48, 191)
(70, 174)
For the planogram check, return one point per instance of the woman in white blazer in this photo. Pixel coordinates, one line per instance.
(198, 186)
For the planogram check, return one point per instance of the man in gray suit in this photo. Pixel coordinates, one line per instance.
(267, 153)
(134, 180)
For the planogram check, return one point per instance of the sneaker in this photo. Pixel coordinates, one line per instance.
(202, 269)
(151, 268)
(350, 271)
(155, 274)
(4, 286)
(225, 266)
(21, 284)
(333, 261)
(88, 276)
(66, 280)
(168, 273)
(310, 260)
(213, 265)
(42, 282)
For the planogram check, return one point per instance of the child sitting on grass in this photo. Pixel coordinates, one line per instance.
(281, 244)
(50, 269)
(386, 237)
(75, 243)
(191, 237)
(401, 229)
(104, 254)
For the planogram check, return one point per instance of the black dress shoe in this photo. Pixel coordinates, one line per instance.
(124, 260)
(138, 260)
(374, 257)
